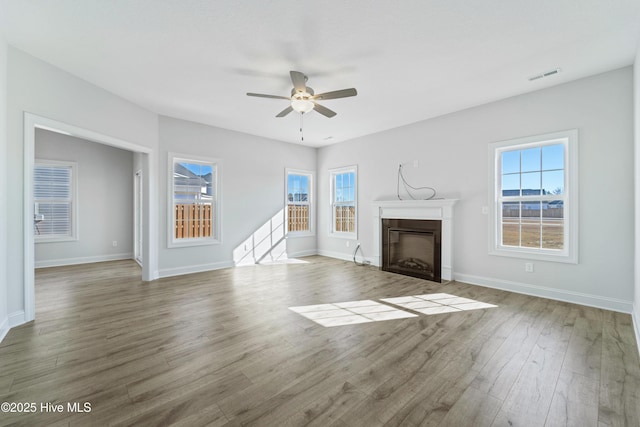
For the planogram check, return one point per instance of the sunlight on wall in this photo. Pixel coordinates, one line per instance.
(352, 312)
(267, 244)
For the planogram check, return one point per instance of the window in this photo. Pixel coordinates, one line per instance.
(194, 201)
(344, 195)
(534, 190)
(54, 196)
(298, 201)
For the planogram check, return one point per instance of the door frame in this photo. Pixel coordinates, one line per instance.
(150, 247)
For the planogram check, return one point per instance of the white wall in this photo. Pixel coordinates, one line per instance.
(452, 152)
(253, 171)
(4, 313)
(39, 88)
(105, 201)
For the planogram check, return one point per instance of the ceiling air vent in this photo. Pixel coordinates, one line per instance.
(545, 74)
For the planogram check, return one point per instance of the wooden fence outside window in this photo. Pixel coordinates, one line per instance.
(298, 218)
(345, 219)
(193, 220)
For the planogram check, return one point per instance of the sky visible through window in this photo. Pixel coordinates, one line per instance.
(345, 187)
(533, 171)
(198, 169)
(297, 188)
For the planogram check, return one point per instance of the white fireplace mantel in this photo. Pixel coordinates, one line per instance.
(437, 209)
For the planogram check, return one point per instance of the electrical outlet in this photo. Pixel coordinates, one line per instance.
(115, 243)
(416, 163)
(528, 267)
(485, 210)
(348, 243)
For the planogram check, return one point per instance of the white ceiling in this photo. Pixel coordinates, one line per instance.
(409, 60)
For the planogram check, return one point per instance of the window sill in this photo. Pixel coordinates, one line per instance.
(55, 239)
(348, 236)
(187, 243)
(296, 234)
(535, 255)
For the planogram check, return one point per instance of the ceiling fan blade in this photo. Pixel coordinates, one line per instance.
(260, 95)
(343, 93)
(323, 110)
(299, 81)
(285, 111)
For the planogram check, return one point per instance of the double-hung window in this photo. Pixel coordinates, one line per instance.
(534, 197)
(299, 198)
(194, 195)
(55, 204)
(344, 202)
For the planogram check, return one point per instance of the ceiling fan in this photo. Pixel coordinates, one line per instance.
(303, 98)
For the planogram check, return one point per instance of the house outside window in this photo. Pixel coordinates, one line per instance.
(533, 197)
(344, 204)
(299, 199)
(55, 201)
(194, 194)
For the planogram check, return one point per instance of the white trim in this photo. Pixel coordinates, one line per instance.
(636, 325)
(613, 304)
(216, 239)
(311, 202)
(83, 260)
(570, 252)
(17, 318)
(300, 254)
(343, 256)
(4, 328)
(31, 121)
(179, 271)
(138, 217)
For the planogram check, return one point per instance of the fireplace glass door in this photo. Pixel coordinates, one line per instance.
(412, 247)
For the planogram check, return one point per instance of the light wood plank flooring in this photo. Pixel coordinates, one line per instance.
(222, 349)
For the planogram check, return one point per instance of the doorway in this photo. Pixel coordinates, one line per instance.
(148, 255)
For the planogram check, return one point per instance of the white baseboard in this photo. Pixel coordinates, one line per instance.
(301, 254)
(82, 260)
(17, 319)
(345, 257)
(179, 271)
(635, 316)
(597, 301)
(4, 328)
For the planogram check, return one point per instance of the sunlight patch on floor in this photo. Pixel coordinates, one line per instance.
(437, 303)
(351, 312)
(365, 311)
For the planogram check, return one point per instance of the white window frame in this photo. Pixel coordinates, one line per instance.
(310, 202)
(332, 181)
(216, 237)
(74, 203)
(569, 253)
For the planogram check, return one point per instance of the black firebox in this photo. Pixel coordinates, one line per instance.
(412, 247)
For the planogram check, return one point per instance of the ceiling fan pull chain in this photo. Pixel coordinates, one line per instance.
(301, 124)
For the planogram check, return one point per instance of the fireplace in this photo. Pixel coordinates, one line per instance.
(412, 247)
(438, 210)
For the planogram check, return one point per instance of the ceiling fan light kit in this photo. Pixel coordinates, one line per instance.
(303, 98)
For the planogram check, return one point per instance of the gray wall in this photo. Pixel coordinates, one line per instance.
(105, 201)
(253, 172)
(40, 88)
(452, 151)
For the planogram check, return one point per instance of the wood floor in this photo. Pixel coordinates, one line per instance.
(223, 349)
